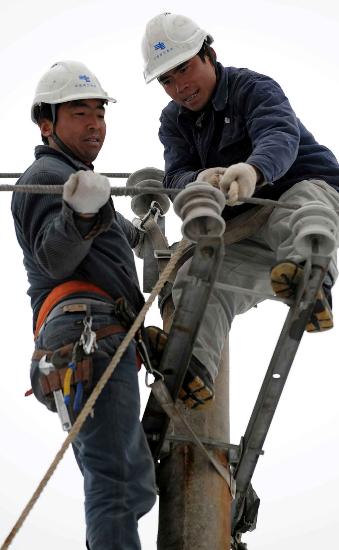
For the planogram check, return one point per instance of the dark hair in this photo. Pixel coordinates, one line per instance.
(207, 51)
(44, 110)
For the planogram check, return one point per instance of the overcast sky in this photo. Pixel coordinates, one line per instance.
(297, 43)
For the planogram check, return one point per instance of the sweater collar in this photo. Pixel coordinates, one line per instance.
(42, 150)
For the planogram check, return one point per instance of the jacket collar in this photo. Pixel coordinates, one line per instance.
(42, 150)
(220, 97)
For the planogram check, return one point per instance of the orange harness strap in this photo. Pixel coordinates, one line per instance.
(61, 292)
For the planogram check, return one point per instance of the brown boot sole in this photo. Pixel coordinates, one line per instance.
(285, 277)
(196, 395)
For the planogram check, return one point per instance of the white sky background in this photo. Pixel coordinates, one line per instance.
(297, 43)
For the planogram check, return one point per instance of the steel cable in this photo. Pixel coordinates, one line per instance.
(133, 191)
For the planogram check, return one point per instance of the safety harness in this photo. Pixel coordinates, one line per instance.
(63, 377)
(62, 292)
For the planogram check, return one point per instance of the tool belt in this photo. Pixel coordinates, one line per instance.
(61, 357)
(70, 367)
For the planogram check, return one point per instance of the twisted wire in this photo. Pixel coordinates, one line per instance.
(134, 191)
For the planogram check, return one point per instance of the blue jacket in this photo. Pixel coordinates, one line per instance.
(248, 119)
(58, 246)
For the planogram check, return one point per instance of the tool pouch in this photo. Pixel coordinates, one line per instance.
(43, 385)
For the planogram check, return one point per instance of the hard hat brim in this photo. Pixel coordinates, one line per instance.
(171, 64)
(73, 97)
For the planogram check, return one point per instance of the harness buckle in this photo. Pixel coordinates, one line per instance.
(87, 339)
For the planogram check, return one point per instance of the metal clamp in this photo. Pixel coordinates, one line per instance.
(155, 211)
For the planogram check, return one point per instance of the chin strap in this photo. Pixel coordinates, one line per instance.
(62, 146)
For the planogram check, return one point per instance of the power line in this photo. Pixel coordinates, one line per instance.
(133, 191)
(12, 175)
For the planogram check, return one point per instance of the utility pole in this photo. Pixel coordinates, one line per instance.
(194, 501)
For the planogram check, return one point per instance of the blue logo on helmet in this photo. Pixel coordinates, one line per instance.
(160, 46)
(84, 77)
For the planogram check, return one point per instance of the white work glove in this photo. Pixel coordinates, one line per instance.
(239, 180)
(86, 192)
(139, 248)
(211, 176)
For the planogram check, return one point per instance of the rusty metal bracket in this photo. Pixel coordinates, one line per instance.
(187, 318)
(274, 382)
(163, 397)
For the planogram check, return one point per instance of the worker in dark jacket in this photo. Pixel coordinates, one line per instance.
(235, 129)
(80, 266)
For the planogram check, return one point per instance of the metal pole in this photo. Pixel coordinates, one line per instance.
(195, 502)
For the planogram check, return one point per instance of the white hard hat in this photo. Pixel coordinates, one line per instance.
(170, 40)
(67, 81)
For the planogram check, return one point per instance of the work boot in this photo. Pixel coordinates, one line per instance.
(155, 340)
(197, 390)
(285, 277)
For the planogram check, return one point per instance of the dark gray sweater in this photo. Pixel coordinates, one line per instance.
(58, 246)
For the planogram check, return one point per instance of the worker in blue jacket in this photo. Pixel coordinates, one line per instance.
(235, 129)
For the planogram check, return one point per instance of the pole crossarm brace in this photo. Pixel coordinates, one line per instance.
(235, 449)
(163, 397)
(184, 329)
(252, 443)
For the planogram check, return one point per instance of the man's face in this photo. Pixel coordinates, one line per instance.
(191, 83)
(81, 126)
